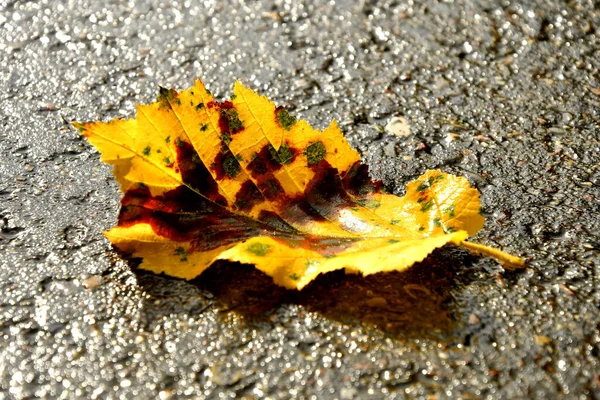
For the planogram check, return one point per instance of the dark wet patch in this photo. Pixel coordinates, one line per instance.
(417, 303)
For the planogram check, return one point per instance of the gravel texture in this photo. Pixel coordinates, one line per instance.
(506, 93)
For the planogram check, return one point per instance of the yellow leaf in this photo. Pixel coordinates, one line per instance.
(244, 180)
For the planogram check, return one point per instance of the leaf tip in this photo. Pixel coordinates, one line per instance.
(238, 87)
(166, 97)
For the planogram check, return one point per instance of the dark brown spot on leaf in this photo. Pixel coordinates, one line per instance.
(248, 196)
(357, 181)
(195, 174)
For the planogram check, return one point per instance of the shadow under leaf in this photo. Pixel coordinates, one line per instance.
(417, 303)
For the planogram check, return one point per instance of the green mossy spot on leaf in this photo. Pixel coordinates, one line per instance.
(421, 228)
(158, 151)
(180, 251)
(449, 229)
(235, 124)
(450, 210)
(146, 151)
(436, 222)
(233, 97)
(368, 203)
(234, 121)
(285, 154)
(225, 138)
(284, 118)
(168, 139)
(178, 142)
(204, 127)
(315, 152)
(282, 156)
(395, 221)
(208, 92)
(259, 249)
(199, 106)
(423, 186)
(294, 276)
(311, 263)
(392, 241)
(427, 205)
(167, 161)
(231, 166)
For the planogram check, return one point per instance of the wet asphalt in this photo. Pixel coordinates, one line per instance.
(506, 93)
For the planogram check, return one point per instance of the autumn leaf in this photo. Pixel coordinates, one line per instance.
(243, 180)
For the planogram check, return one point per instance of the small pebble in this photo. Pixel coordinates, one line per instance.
(398, 126)
(92, 282)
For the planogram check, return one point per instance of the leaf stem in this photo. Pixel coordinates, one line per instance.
(510, 262)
